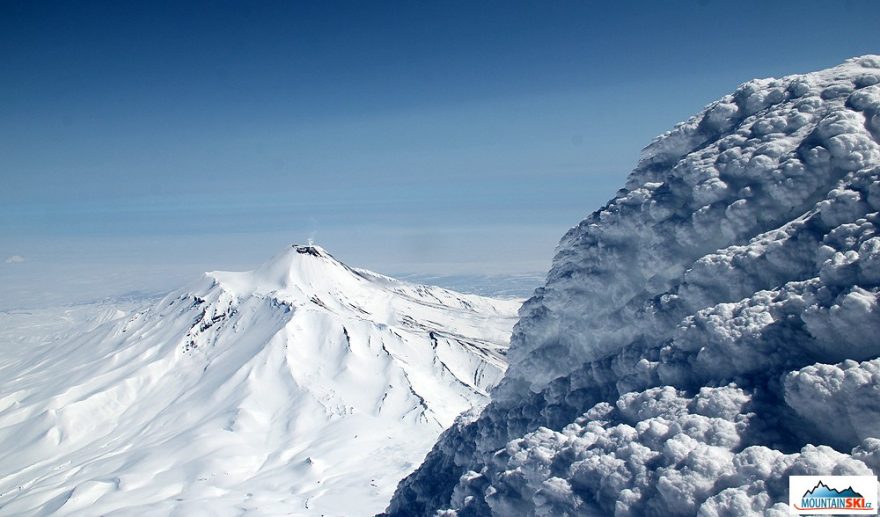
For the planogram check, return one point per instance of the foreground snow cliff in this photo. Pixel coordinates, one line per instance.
(712, 330)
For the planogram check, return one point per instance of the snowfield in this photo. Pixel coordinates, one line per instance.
(304, 387)
(712, 330)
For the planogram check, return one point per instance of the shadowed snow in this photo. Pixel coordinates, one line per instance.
(707, 333)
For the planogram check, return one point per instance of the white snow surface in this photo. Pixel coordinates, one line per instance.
(712, 330)
(304, 387)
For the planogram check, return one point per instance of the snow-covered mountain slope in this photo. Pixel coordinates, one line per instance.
(303, 387)
(712, 330)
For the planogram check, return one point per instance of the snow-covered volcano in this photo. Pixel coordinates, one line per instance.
(302, 387)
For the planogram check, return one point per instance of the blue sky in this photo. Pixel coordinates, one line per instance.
(147, 141)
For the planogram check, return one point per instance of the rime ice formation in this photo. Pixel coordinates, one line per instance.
(303, 387)
(710, 331)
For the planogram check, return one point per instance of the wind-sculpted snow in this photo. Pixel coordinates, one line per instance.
(709, 332)
(654, 452)
(303, 387)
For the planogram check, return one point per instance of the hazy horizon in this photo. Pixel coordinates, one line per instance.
(144, 143)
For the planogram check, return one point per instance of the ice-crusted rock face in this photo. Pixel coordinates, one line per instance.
(304, 387)
(710, 331)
